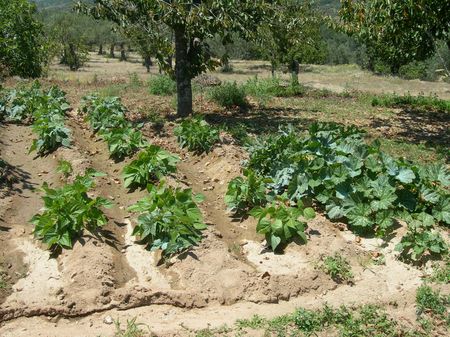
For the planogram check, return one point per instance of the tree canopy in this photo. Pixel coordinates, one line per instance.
(191, 23)
(397, 31)
(23, 47)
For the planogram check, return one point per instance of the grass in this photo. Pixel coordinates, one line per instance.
(132, 329)
(432, 103)
(162, 86)
(441, 272)
(229, 95)
(337, 267)
(363, 321)
(431, 302)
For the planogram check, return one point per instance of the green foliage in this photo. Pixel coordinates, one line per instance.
(365, 321)
(441, 273)
(421, 241)
(245, 193)
(280, 222)
(47, 111)
(65, 168)
(432, 302)
(151, 165)
(23, 46)
(169, 219)
(196, 135)
(103, 113)
(336, 168)
(133, 329)
(397, 32)
(430, 103)
(292, 36)
(51, 134)
(123, 141)
(264, 89)
(106, 115)
(337, 267)
(162, 85)
(69, 210)
(229, 95)
(30, 103)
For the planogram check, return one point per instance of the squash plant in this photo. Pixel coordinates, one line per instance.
(280, 222)
(169, 219)
(151, 165)
(69, 210)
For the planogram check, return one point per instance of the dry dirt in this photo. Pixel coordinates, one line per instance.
(229, 276)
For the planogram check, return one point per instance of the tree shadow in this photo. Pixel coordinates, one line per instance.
(266, 120)
(417, 126)
(13, 179)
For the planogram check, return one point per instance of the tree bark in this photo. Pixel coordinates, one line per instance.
(123, 55)
(148, 62)
(111, 51)
(183, 78)
(295, 69)
(100, 49)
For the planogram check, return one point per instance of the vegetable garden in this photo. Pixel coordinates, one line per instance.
(191, 219)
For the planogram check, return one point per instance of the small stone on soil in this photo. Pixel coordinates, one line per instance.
(108, 320)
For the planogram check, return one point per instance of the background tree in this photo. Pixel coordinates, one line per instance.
(23, 46)
(192, 23)
(397, 31)
(69, 32)
(292, 37)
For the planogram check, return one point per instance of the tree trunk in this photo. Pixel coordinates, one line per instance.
(123, 55)
(100, 49)
(111, 51)
(272, 69)
(184, 86)
(295, 69)
(147, 62)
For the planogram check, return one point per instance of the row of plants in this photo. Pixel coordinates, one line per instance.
(333, 168)
(106, 116)
(168, 218)
(45, 109)
(429, 103)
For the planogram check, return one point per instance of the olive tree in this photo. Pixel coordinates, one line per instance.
(23, 46)
(397, 31)
(191, 23)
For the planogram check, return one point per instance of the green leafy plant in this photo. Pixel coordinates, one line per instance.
(51, 132)
(196, 135)
(65, 168)
(169, 219)
(229, 95)
(280, 222)
(103, 113)
(419, 102)
(69, 210)
(245, 193)
(162, 85)
(432, 302)
(337, 267)
(133, 329)
(420, 240)
(123, 142)
(151, 165)
(353, 181)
